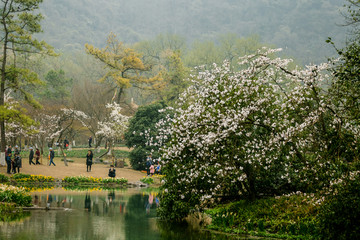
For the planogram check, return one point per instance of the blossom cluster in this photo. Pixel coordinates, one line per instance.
(231, 129)
(115, 124)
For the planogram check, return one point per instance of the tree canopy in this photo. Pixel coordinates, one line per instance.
(19, 22)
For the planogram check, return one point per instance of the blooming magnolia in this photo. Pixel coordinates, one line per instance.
(115, 124)
(51, 127)
(234, 132)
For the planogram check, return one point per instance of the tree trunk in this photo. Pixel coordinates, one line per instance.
(2, 86)
(98, 142)
(250, 185)
(108, 149)
(64, 155)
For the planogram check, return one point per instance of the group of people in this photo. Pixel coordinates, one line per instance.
(14, 161)
(33, 155)
(151, 168)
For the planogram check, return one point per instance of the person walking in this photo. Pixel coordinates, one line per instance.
(37, 156)
(152, 170)
(90, 141)
(31, 156)
(51, 155)
(8, 163)
(89, 162)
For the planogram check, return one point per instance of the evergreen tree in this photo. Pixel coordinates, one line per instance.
(19, 21)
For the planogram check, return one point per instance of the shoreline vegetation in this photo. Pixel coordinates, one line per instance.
(15, 190)
(21, 179)
(291, 216)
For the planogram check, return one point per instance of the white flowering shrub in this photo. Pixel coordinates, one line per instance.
(17, 123)
(261, 130)
(115, 124)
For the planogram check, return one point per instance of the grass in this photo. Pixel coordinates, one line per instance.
(290, 217)
(79, 155)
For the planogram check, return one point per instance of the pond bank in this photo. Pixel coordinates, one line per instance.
(75, 169)
(285, 217)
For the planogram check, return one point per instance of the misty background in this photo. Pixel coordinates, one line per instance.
(300, 27)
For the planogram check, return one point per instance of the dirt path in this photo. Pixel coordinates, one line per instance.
(76, 169)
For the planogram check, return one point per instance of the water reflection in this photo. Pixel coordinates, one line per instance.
(99, 215)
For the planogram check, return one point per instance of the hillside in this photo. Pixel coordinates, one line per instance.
(300, 27)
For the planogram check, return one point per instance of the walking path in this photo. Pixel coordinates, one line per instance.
(76, 169)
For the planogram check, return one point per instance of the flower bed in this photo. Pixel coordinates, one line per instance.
(4, 179)
(92, 180)
(27, 178)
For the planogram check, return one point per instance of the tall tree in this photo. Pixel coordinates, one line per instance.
(352, 17)
(58, 86)
(19, 20)
(164, 54)
(124, 66)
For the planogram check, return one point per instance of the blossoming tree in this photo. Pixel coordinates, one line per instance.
(17, 123)
(245, 133)
(114, 126)
(51, 127)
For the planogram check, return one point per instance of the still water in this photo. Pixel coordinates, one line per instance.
(99, 214)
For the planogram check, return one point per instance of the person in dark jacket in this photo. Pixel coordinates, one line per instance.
(37, 156)
(90, 141)
(89, 162)
(8, 163)
(17, 150)
(17, 163)
(51, 155)
(9, 150)
(112, 171)
(66, 143)
(31, 156)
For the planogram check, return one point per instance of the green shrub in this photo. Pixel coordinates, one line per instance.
(114, 180)
(143, 122)
(16, 195)
(4, 179)
(172, 207)
(20, 175)
(339, 216)
(138, 158)
(293, 216)
(147, 180)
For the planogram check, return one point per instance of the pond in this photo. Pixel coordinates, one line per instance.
(99, 214)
